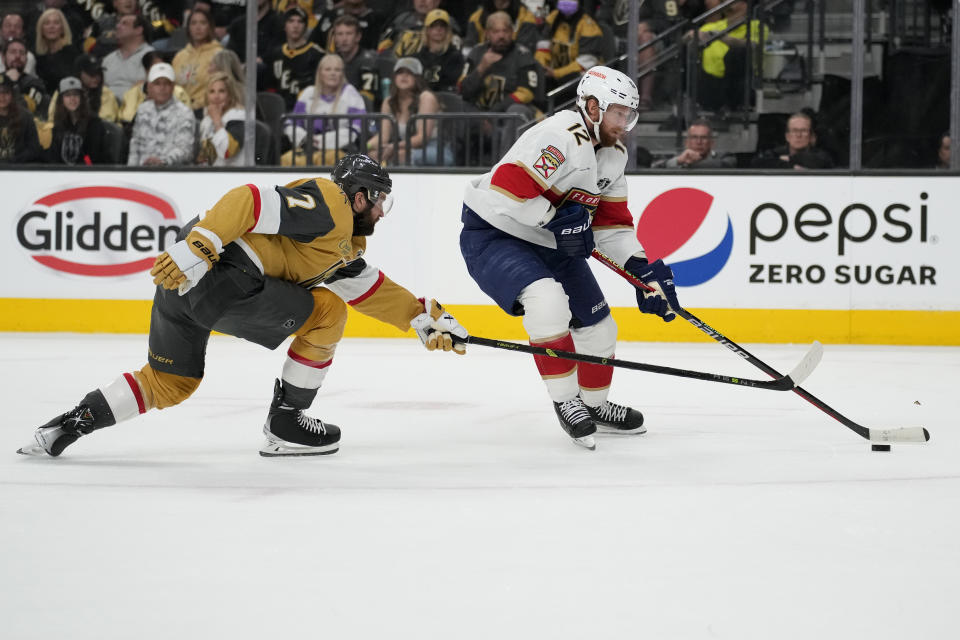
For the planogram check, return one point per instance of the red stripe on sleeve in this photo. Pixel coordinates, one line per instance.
(370, 291)
(612, 213)
(135, 388)
(515, 180)
(256, 204)
(553, 197)
(308, 362)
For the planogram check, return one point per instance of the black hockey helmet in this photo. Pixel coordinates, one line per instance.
(357, 171)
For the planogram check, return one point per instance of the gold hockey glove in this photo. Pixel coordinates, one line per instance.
(186, 262)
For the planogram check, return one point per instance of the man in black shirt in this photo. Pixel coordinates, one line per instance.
(359, 64)
(502, 75)
(292, 66)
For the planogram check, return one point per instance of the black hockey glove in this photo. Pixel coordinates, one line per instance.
(571, 227)
(662, 301)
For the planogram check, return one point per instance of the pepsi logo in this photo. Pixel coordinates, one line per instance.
(670, 221)
(97, 230)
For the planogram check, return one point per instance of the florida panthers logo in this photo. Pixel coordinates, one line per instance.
(550, 160)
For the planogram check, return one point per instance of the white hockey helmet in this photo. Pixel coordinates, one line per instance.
(609, 86)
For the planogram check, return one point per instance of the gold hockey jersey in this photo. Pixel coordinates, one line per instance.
(302, 232)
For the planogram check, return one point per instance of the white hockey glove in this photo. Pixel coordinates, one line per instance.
(182, 266)
(437, 329)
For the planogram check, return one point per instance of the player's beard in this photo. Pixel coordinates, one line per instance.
(608, 139)
(363, 222)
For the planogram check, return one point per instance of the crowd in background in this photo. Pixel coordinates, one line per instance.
(142, 82)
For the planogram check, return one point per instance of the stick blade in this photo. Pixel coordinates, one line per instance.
(905, 435)
(806, 366)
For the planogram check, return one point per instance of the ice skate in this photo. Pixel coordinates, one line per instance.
(58, 434)
(576, 421)
(290, 432)
(615, 418)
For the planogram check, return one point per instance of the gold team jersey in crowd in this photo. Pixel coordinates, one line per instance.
(302, 232)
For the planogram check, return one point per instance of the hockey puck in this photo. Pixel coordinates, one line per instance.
(880, 447)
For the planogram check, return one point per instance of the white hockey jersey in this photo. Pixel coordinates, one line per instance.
(553, 162)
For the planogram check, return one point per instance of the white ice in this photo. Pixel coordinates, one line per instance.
(458, 509)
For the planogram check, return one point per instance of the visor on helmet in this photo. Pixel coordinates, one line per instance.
(621, 114)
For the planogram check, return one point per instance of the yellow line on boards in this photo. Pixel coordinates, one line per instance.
(740, 325)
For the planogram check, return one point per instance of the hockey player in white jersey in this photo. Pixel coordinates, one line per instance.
(529, 225)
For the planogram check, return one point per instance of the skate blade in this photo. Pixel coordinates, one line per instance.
(587, 442)
(271, 449)
(32, 449)
(622, 432)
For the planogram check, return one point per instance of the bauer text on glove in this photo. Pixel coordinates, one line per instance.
(182, 266)
(571, 227)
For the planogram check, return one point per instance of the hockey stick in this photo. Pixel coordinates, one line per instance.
(903, 434)
(780, 383)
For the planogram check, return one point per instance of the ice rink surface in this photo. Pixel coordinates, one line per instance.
(457, 508)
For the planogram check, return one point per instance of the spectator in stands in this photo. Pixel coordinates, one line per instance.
(800, 152)
(224, 12)
(408, 25)
(330, 94)
(11, 28)
(192, 62)
(438, 50)
(943, 152)
(502, 75)
(55, 49)
(103, 37)
(359, 65)
(721, 82)
(291, 66)
(123, 68)
(18, 134)
(573, 43)
(310, 7)
(699, 152)
(99, 98)
(178, 38)
(656, 17)
(28, 88)
(226, 61)
(137, 94)
(163, 18)
(163, 131)
(409, 96)
(75, 135)
(526, 31)
(222, 127)
(269, 36)
(369, 25)
(77, 17)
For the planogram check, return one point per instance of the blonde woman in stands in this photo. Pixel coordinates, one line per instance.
(55, 50)
(193, 61)
(221, 130)
(330, 94)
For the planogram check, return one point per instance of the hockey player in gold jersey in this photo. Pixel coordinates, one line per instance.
(253, 267)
